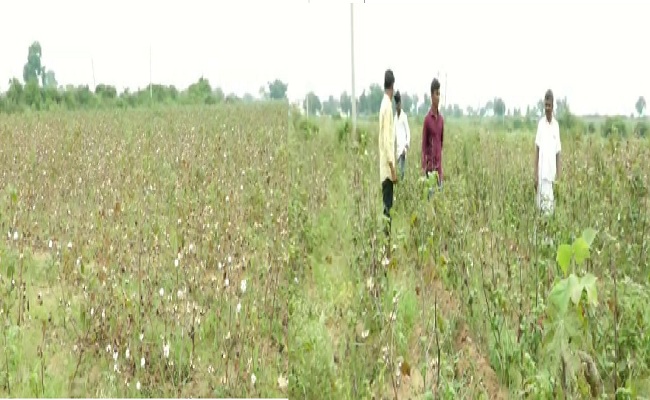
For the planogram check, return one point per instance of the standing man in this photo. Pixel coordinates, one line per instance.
(433, 131)
(387, 173)
(547, 157)
(402, 134)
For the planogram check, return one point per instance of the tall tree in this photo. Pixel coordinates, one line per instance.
(640, 105)
(346, 103)
(278, 90)
(33, 70)
(499, 107)
(407, 102)
(49, 79)
(314, 103)
(375, 96)
(331, 106)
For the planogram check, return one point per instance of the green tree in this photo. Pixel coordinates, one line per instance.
(499, 107)
(375, 96)
(640, 105)
(263, 93)
(362, 103)
(33, 70)
(278, 90)
(346, 103)
(33, 96)
(407, 102)
(106, 92)
(540, 108)
(414, 103)
(425, 106)
(331, 106)
(15, 92)
(200, 91)
(314, 103)
(49, 79)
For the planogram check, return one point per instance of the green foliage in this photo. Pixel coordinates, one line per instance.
(278, 90)
(344, 131)
(579, 251)
(567, 338)
(307, 127)
(312, 104)
(345, 101)
(499, 107)
(33, 69)
(614, 127)
(640, 105)
(40, 91)
(641, 129)
(591, 127)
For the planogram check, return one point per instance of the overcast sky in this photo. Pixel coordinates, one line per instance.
(594, 53)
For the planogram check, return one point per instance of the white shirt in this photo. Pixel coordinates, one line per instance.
(402, 132)
(548, 141)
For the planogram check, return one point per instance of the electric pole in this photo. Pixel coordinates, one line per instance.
(354, 97)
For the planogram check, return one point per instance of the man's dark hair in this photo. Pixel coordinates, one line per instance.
(435, 85)
(389, 79)
(549, 96)
(398, 97)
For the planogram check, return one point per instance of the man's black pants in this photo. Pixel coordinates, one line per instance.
(387, 191)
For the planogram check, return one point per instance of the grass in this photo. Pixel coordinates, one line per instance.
(463, 309)
(143, 257)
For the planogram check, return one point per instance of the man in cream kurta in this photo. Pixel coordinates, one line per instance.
(387, 174)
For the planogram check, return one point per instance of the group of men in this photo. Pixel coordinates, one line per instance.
(395, 136)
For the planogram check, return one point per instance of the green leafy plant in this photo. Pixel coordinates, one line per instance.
(567, 340)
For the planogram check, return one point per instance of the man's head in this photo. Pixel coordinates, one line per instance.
(389, 82)
(398, 102)
(548, 105)
(435, 93)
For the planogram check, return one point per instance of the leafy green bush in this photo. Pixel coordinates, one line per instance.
(614, 126)
(641, 129)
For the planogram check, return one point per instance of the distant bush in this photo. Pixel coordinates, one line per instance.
(518, 123)
(641, 129)
(614, 126)
(308, 127)
(344, 131)
(591, 128)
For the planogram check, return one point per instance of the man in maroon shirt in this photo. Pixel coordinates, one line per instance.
(433, 131)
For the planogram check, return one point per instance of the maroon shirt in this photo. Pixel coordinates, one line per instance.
(433, 131)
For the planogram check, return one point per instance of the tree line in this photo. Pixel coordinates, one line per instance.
(369, 102)
(39, 90)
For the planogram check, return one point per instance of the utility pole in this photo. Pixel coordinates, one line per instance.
(309, 72)
(446, 86)
(354, 96)
(150, 79)
(92, 65)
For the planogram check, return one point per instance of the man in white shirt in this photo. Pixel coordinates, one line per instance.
(547, 157)
(402, 134)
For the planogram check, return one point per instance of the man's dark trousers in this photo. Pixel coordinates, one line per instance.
(387, 191)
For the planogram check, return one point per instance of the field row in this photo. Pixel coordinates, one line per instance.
(145, 253)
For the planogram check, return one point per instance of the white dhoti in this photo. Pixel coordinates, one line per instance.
(545, 198)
